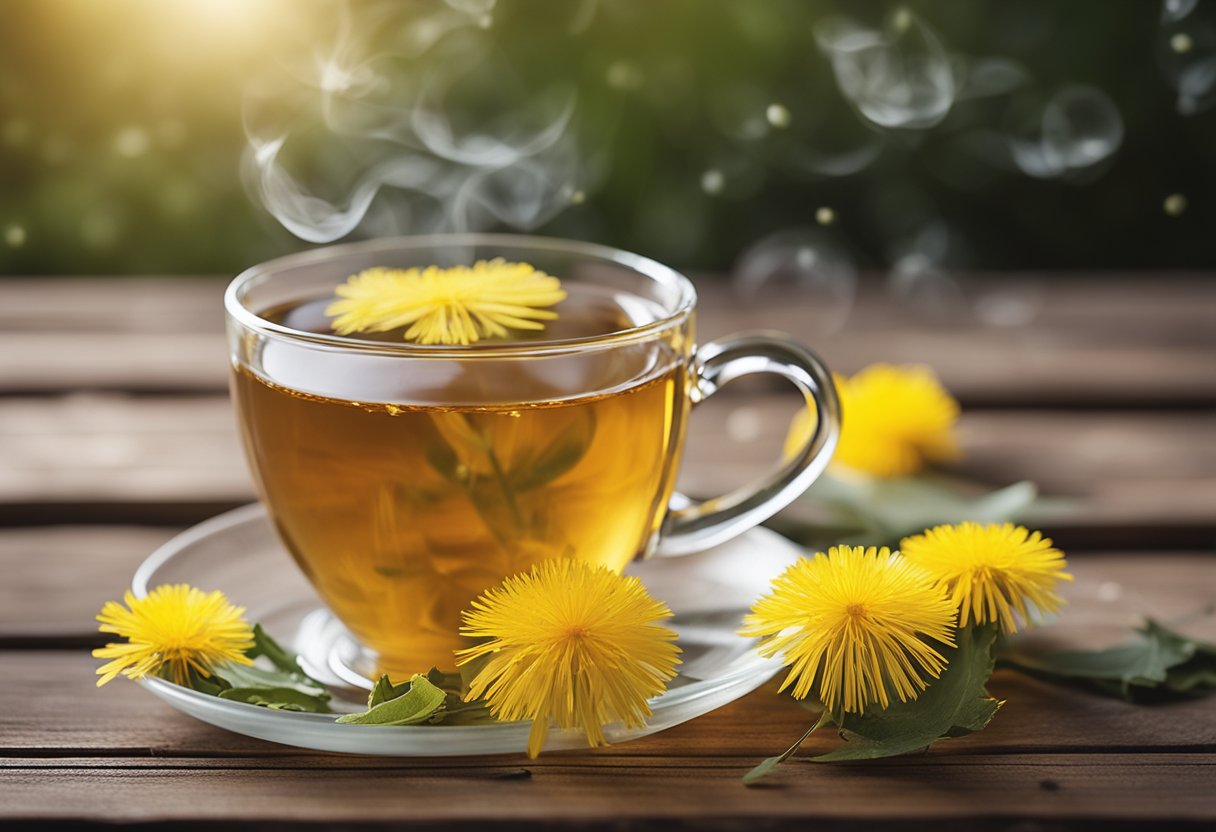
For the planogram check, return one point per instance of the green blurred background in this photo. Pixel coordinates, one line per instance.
(150, 136)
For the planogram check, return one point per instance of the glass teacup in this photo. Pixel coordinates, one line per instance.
(405, 480)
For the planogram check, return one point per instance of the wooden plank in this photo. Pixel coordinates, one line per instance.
(1116, 788)
(1175, 307)
(109, 458)
(1103, 340)
(50, 362)
(1128, 479)
(1109, 595)
(132, 449)
(147, 304)
(56, 579)
(1112, 341)
(49, 707)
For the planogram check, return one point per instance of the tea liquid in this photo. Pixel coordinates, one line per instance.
(402, 514)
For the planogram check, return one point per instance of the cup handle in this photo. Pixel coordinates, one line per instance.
(700, 525)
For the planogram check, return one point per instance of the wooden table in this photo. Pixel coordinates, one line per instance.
(115, 432)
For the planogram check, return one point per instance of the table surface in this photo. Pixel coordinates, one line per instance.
(116, 432)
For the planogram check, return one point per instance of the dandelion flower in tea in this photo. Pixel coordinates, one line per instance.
(456, 306)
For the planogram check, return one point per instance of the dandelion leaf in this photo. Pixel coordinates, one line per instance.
(867, 511)
(270, 687)
(384, 690)
(264, 645)
(279, 699)
(252, 676)
(419, 702)
(953, 705)
(763, 770)
(1160, 665)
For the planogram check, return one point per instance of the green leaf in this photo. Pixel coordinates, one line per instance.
(252, 676)
(861, 510)
(384, 690)
(281, 686)
(211, 685)
(540, 466)
(953, 705)
(419, 703)
(769, 765)
(264, 645)
(456, 711)
(281, 699)
(1196, 677)
(1159, 664)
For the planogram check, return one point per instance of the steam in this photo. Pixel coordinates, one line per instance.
(411, 123)
(375, 143)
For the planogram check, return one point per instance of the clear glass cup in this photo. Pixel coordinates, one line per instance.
(407, 479)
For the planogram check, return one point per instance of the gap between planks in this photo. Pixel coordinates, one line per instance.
(57, 578)
(1146, 479)
(41, 716)
(1124, 341)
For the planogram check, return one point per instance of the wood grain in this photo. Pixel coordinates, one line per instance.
(1113, 342)
(1127, 479)
(57, 578)
(49, 707)
(1104, 392)
(703, 793)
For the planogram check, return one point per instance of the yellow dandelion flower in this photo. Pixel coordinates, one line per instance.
(175, 629)
(852, 625)
(570, 642)
(993, 571)
(894, 420)
(460, 305)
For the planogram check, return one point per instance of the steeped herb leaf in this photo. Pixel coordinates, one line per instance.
(540, 466)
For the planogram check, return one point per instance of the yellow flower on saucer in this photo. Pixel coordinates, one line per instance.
(174, 630)
(852, 625)
(893, 421)
(572, 643)
(460, 305)
(991, 572)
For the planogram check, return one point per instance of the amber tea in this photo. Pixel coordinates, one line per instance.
(402, 511)
(408, 476)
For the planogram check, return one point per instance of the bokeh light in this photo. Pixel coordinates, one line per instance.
(195, 135)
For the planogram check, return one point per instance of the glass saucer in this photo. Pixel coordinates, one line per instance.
(238, 553)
